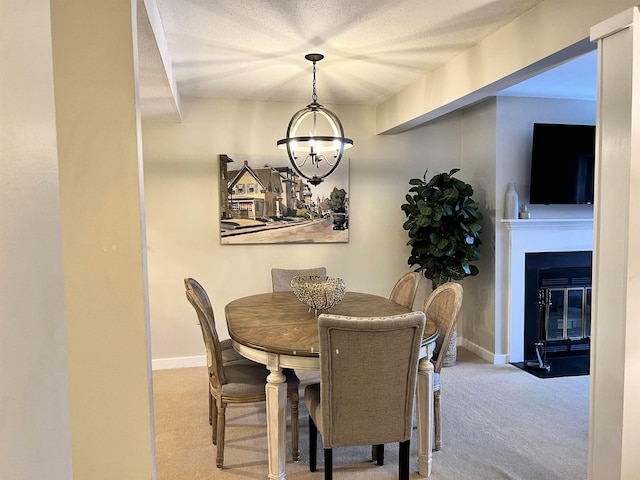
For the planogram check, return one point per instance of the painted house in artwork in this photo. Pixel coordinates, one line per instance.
(252, 194)
(290, 201)
(269, 192)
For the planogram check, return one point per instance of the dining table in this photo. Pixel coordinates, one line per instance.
(279, 331)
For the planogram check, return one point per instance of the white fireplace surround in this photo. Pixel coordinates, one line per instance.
(537, 235)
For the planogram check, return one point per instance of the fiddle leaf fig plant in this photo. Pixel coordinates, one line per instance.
(443, 227)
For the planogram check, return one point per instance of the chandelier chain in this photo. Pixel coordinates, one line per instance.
(314, 96)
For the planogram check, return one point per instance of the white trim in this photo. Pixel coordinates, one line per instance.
(553, 223)
(179, 362)
(201, 360)
(482, 352)
(613, 25)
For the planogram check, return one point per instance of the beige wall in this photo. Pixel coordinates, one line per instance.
(99, 147)
(478, 326)
(181, 183)
(489, 141)
(35, 436)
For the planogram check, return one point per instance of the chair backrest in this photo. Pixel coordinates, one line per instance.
(405, 289)
(281, 277)
(443, 307)
(192, 284)
(199, 299)
(368, 369)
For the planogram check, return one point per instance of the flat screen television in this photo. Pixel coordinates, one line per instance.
(562, 164)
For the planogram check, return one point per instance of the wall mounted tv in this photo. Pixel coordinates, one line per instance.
(562, 164)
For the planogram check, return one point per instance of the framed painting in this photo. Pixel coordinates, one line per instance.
(263, 200)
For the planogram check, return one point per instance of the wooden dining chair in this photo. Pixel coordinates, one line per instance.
(366, 393)
(405, 289)
(229, 354)
(443, 307)
(235, 382)
(281, 277)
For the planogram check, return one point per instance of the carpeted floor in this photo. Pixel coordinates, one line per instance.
(499, 422)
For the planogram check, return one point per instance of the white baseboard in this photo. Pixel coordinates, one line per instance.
(201, 360)
(482, 352)
(178, 362)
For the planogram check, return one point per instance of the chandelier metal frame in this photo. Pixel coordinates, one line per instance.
(314, 146)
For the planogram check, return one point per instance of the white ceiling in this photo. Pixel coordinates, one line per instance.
(254, 49)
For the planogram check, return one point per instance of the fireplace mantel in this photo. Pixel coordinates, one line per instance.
(549, 223)
(536, 235)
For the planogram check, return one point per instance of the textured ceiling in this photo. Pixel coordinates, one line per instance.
(254, 49)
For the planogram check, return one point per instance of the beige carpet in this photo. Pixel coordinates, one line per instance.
(499, 422)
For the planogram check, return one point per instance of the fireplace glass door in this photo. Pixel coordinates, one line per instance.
(568, 313)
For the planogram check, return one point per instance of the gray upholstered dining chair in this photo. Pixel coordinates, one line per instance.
(443, 307)
(366, 393)
(281, 277)
(234, 382)
(403, 293)
(405, 289)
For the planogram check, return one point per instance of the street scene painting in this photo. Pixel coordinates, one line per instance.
(264, 200)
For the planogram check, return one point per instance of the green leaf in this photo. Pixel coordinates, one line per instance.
(423, 221)
(442, 224)
(451, 195)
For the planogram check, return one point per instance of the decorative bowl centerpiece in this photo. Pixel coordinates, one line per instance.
(318, 293)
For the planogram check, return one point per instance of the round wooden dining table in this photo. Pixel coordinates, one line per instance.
(279, 331)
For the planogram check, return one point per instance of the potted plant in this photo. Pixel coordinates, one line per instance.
(444, 229)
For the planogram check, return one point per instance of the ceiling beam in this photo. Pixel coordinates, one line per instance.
(159, 95)
(544, 37)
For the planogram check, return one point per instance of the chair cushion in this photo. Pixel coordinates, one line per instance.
(226, 344)
(244, 378)
(229, 354)
(250, 378)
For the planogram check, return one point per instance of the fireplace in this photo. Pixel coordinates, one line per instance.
(557, 303)
(519, 238)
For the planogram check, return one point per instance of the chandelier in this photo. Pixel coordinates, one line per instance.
(315, 140)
